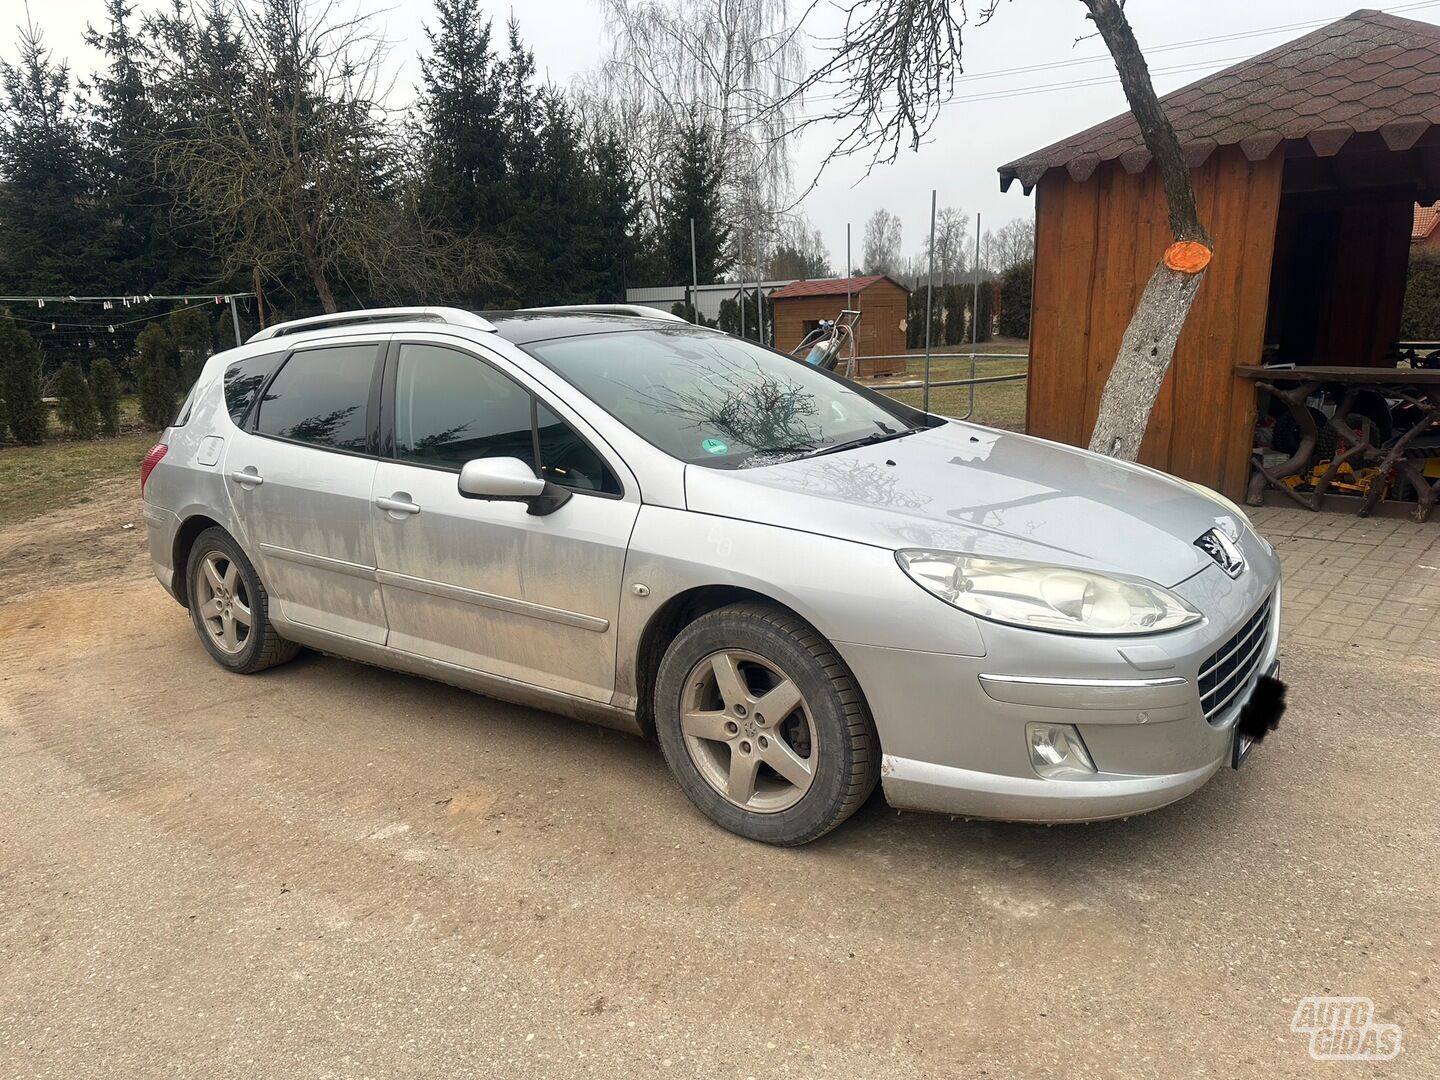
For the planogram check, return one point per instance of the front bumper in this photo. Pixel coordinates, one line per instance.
(952, 728)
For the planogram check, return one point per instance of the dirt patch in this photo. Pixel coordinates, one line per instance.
(102, 539)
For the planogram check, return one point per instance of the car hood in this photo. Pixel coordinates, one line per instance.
(962, 487)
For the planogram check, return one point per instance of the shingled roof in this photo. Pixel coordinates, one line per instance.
(838, 286)
(1366, 72)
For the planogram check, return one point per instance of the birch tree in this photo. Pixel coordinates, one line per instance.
(882, 243)
(731, 65)
(892, 68)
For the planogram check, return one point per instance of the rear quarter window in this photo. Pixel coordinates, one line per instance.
(243, 380)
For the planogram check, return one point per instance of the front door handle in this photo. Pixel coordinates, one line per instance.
(399, 503)
(248, 478)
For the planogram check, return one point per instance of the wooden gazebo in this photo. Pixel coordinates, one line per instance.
(1307, 161)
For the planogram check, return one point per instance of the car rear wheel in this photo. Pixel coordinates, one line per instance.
(764, 726)
(230, 608)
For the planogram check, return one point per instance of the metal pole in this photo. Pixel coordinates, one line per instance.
(742, 284)
(975, 317)
(235, 319)
(929, 302)
(847, 267)
(694, 274)
(760, 291)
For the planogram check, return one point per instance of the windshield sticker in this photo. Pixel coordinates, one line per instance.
(715, 446)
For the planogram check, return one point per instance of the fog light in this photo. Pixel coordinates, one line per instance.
(1057, 751)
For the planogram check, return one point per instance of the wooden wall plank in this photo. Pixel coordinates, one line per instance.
(1078, 237)
(1252, 304)
(1045, 384)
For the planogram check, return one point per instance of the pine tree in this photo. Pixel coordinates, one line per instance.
(20, 368)
(619, 219)
(134, 239)
(155, 364)
(693, 181)
(77, 405)
(105, 386)
(1015, 286)
(463, 132)
(956, 300)
(983, 316)
(47, 215)
(189, 331)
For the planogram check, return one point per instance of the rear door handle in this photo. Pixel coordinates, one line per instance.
(247, 478)
(396, 504)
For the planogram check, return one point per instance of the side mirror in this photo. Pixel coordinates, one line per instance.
(508, 479)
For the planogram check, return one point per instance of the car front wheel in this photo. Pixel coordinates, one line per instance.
(764, 726)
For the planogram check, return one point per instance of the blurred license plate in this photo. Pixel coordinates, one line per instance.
(1267, 704)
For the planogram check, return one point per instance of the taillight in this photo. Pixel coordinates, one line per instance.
(148, 463)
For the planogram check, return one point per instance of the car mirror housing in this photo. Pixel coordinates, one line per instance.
(508, 479)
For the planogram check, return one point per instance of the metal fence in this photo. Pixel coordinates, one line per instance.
(975, 379)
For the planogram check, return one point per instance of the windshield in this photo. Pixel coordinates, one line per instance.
(713, 400)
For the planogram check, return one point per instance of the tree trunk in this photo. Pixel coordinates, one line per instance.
(1145, 354)
(1148, 346)
(313, 267)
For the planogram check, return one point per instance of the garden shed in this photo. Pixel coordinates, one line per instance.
(882, 301)
(1308, 161)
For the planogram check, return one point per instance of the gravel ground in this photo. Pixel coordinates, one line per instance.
(334, 871)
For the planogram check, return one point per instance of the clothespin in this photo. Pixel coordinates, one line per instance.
(42, 301)
(108, 305)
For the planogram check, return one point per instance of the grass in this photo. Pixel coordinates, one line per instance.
(37, 479)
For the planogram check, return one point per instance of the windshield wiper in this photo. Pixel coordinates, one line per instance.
(864, 440)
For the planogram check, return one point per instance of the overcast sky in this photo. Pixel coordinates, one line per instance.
(1007, 114)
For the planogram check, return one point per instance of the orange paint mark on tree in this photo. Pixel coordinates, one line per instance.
(1187, 256)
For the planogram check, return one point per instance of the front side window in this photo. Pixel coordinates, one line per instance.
(451, 407)
(243, 380)
(713, 400)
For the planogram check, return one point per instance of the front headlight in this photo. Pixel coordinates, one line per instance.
(1040, 597)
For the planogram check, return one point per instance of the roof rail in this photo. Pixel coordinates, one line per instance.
(639, 311)
(452, 316)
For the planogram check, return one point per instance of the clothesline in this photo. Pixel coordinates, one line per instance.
(127, 299)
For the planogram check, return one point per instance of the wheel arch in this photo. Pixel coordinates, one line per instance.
(185, 537)
(678, 612)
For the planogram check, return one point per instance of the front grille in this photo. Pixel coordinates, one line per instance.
(1232, 666)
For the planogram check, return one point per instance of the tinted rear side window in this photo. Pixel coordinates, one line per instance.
(243, 380)
(320, 397)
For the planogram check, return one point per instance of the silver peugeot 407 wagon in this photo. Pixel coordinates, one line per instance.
(798, 586)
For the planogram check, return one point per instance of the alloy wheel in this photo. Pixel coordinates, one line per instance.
(223, 602)
(748, 731)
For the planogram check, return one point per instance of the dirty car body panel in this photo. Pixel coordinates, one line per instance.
(372, 554)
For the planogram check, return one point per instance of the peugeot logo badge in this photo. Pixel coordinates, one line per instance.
(1223, 550)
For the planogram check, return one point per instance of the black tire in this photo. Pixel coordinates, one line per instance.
(845, 740)
(262, 647)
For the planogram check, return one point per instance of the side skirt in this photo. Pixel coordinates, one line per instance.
(495, 686)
